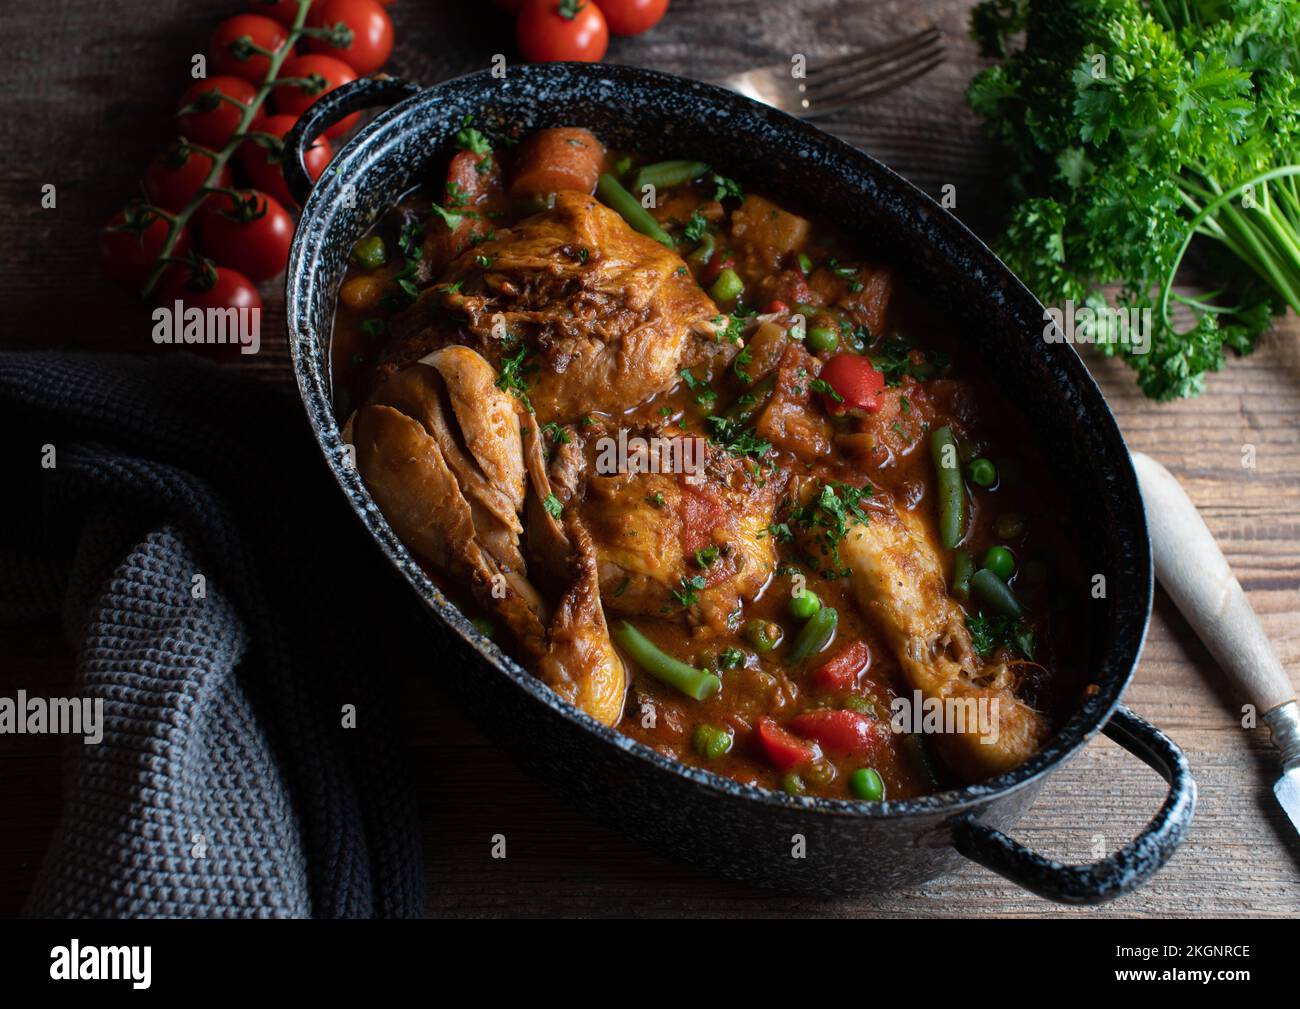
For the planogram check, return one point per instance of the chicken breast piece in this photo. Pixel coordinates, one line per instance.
(898, 582)
(573, 305)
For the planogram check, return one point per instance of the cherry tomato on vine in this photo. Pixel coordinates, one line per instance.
(213, 120)
(233, 36)
(252, 234)
(293, 99)
(262, 165)
(126, 257)
(176, 174)
(550, 30)
(632, 17)
(212, 287)
(283, 11)
(372, 33)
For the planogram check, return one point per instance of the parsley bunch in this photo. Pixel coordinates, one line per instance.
(1133, 128)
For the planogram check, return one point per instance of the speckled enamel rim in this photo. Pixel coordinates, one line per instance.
(383, 139)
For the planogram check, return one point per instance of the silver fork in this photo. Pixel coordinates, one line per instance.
(833, 85)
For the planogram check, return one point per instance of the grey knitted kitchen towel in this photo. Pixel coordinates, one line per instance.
(223, 605)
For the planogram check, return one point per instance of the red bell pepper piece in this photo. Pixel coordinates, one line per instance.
(841, 731)
(855, 380)
(784, 751)
(840, 671)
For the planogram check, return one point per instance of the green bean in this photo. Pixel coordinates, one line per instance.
(728, 287)
(629, 208)
(666, 174)
(711, 741)
(663, 667)
(995, 592)
(804, 605)
(963, 566)
(814, 635)
(865, 783)
(699, 259)
(952, 490)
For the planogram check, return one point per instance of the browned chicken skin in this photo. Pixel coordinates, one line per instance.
(607, 316)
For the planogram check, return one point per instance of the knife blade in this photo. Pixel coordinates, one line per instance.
(1193, 570)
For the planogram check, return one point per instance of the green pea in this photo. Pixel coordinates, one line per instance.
(370, 253)
(727, 287)
(793, 784)
(982, 472)
(823, 338)
(763, 634)
(804, 604)
(805, 263)
(865, 783)
(711, 742)
(1000, 561)
(820, 772)
(807, 311)
(1009, 526)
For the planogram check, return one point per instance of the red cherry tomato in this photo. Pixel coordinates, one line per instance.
(251, 234)
(261, 165)
(283, 11)
(213, 120)
(840, 671)
(176, 174)
(293, 100)
(127, 257)
(632, 17)
(372, 33)
(784, 751)
(263, 32)
(855, 380)
(845, 732)
(549, 30)
(231, 289)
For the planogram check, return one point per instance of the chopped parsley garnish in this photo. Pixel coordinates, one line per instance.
(987, 634)
(559, 435)
(374, 327)
(452, 220)
(554, 507)
(514, 371)
(469, 139)
(483, 261)
(829, 516)
(655, 500)
(826, 389)
(696, 227)
(687, 595)
(731, 658)
(737, 439)
(705, 556)
(726, 189)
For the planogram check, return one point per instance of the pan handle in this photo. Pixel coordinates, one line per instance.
(328, 109)
(1119, 873)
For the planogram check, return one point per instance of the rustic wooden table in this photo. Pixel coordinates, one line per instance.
(88, 88)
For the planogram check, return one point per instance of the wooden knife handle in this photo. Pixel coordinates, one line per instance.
(1196, 575)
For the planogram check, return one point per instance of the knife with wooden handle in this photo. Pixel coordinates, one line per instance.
(1196, 575)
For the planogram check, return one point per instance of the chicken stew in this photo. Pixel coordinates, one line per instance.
(711, 471)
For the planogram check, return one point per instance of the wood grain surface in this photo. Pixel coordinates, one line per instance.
(88, 86)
